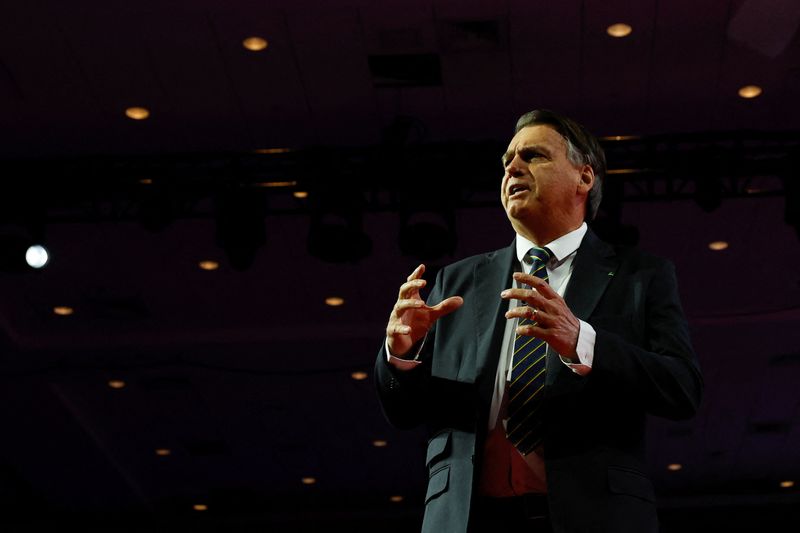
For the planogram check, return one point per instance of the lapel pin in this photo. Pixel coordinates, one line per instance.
(610, 273)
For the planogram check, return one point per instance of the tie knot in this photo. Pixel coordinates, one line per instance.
(542, 255)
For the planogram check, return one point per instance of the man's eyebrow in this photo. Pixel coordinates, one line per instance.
(533, 146)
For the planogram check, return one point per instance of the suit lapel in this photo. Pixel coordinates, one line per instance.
(595, 265)
(491, 276)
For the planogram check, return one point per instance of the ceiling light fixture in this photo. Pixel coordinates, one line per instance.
(308, 480)
(379, 443)
(163, 452)
(334, 301)
(359, 376)
(137, 113)
(787, 484)
(63, 310)
(619, 30)
(116, 384)
(717, 245)
(395, 499)
(208, 265)
(200, 507)
(750, 91)
(36, 256)
(300, 194)
(674, 467)
(255, 44)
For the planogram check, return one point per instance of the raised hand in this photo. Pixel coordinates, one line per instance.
(550, 318)
(411, 317)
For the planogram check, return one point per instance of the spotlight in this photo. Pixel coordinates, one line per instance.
(427, 235)
(20, 251)
(336, 234)
(240, 225)
(708, 193)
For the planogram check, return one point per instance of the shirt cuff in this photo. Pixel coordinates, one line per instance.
(400, 363)
(585, 350)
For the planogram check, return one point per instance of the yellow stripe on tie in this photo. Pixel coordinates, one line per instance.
(534, 378)
(521, 347)
(526, 370)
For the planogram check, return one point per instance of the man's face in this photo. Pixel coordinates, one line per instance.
(539, 180)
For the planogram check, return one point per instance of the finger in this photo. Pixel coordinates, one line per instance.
(392, 330)
(412, 303)
(447, 306)
(533, 330)
(410, 288)
(522, 311)
(418, 272)
(526, 295)
(539, 284)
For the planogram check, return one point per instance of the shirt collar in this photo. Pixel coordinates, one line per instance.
(561, 248)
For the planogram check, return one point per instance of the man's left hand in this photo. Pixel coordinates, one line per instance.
(550, 318)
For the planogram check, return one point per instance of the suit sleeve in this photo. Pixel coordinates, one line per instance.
(403, 394)
(661, 372)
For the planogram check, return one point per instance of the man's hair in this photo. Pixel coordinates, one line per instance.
(583, 148)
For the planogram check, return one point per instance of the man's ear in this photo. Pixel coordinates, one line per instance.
(586, 179)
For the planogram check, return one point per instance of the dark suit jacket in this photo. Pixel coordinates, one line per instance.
(594, 437)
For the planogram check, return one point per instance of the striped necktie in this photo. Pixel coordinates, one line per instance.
(524, 427)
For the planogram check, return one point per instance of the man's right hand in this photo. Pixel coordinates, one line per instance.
(411, 317)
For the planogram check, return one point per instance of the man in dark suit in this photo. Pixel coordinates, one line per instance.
(603, 323)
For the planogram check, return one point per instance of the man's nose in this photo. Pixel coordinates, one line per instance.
(514, 168)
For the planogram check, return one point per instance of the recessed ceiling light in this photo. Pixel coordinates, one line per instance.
(163, 452)
(379, 443)
(255, 44)
(200, 507)
(717, 245)
(308, 480)
(300, 194)
(63, 310)
(146, 181)
(750, 91)
(359, 376)
(272, 150)
(334, 301)
(116, 384)
(208, 265)
(674, 467)
(137, 113)
(395, 499)
(787, 484)
(36, 256)
(619, 29)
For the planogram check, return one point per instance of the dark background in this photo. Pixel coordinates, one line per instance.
(392, 116)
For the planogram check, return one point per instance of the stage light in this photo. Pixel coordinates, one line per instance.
(717, 245)
(359, 376)
(137, 113)
(334, 301)
(200, 507)
(674, 467)
(63, 310)
(338, 237)
(240, 225)
(788, 484)
(750, 91)
(379, 443)
(163, 452)
(255, 44)
(619, 30)
(427, 235)
(708, 193)
(300, 194)
(116, 384)
(308, 480)
(396, 499)
(36, 256)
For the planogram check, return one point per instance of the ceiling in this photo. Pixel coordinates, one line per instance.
(245, 375)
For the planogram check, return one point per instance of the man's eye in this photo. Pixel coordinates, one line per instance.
(529, 155)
